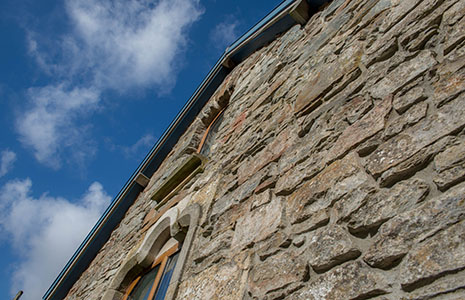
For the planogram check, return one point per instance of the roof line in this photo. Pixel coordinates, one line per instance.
(275, 23)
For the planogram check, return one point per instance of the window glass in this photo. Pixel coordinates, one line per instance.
(143, 287)
(165, 280)
(154, 284)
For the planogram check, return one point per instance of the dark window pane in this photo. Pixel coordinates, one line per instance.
(143, 287)
(165, 280)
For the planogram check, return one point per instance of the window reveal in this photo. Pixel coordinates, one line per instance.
(208, 138)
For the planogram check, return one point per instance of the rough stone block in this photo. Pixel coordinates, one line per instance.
(218, 282)
(447, 120)
(412, 96)
(451, 81)
(415, 163)
(396, 237)
(369, 125)
(271, 153)
(440, 287)
(330, 246)
(276, 272)
(315, 221)
(409, 118)
(388, 203)
(350, 281)
(442, 254)
(450, 166)
(403, 74)
(315, 188)
(257, 225)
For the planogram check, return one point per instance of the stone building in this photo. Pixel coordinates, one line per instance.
(322, 158)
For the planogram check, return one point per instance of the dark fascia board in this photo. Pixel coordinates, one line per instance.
(276, 22)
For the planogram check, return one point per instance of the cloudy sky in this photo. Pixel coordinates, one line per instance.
(86, 89)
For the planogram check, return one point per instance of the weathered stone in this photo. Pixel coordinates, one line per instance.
(314, 221)
(403, 74)
(369, 125)
(276, 272)
(261, 199)
(258, 224)
(450, 166)
(415, 163)
(364, 283)
(396, 236)
(324, 81)
(212, 246)
(440, 287)
(307, 169)
(442, 254)
(217, 282)
(271, 153)
(412, 96)
(316, 187)
(398, 149)
(410, 117)
(451, 81)
(387, 204)
(273, 245)
(454, 37)
(328, 247)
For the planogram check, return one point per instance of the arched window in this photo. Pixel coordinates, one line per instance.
(153, 270)
(153, 283)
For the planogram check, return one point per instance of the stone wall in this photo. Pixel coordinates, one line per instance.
(338, 169)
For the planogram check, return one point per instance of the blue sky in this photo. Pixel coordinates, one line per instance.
(86, 88)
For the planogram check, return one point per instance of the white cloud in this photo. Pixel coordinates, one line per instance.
(49, 126)
(45, 231)
(115, 45)
(7, 159)
(142, 145)
(224, 34)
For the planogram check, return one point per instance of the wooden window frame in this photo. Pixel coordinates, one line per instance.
(162, 261)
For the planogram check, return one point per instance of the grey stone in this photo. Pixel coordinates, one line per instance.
(350, 281)
(450, 166)
(398, 149)
(328, 247)
(369, 125)
(258, 224)
(403, 74)
(410, 117)
(398, 235)
(412, 96)
(276, 272)
(440, 287)
(438, 256)
(387, 204)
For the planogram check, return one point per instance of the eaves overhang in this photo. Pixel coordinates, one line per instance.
(280, 19)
